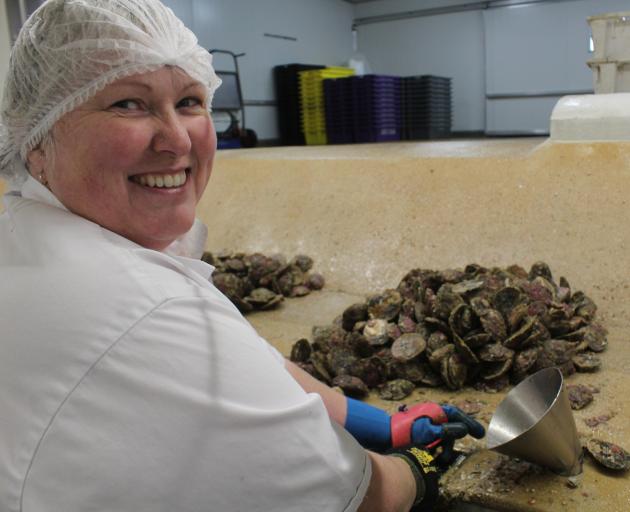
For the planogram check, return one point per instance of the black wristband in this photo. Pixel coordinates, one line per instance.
(426, 473)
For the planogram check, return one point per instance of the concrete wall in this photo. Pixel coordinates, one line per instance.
(446, 45)
(322, 30)
(535, 51)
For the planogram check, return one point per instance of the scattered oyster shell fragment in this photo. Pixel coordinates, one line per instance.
(609, 455)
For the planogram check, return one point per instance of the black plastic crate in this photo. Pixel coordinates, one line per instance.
(289, 105)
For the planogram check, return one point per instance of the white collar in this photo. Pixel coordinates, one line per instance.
(190, 245)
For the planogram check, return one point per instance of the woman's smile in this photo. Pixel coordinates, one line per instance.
(166, 180)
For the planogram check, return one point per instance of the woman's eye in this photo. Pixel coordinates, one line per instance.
(127, 105)
(190, 101)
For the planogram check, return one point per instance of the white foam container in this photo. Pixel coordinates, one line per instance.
(611, 56)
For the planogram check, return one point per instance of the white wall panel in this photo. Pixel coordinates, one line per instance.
(379, 7)
(322, 29)
(537, 49)
(516, 116)
(445, 45)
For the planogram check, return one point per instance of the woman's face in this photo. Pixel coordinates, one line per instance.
(136, 158)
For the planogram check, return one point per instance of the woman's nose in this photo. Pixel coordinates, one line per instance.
(172, 136)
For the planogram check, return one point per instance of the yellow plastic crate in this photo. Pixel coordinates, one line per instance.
(315, 138)
(313, 117)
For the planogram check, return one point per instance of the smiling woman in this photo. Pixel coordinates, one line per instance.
(135, 158)
(128, 382)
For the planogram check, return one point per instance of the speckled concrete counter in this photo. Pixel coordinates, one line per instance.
(369, 213)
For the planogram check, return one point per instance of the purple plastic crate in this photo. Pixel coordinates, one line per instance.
(377, 134)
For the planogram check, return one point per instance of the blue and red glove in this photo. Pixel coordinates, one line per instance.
(427, 424)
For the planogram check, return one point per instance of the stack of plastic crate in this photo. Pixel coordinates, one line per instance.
(312, 98)
(376, 108)
(289, 103)
(426, 107)
(339, 112)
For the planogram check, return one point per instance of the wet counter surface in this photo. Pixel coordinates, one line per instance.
(369, 213)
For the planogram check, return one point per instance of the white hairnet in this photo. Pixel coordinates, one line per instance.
(68, 50)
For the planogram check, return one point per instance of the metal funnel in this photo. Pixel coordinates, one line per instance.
(534, 422)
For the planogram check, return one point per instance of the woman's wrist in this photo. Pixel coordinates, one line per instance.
(425, 473)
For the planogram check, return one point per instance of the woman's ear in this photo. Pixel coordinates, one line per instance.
(35, 165)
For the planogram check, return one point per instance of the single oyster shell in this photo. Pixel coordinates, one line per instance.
(396, 389)
(524, 361)
(595, 337)
(477, 339)
(299, 291)
(229, 284)
(494, 324)
(406, 324)
(446, 301)
(315, 281)
(263, 298)
(372, 371)
(303, 262)
(340, 360)
(608, 454)
(436, 341)
(492, 371)
(523, 333)
(352, 386)
(494, 352)
(461, 320)
(540, 268)
(586, 362)
(408, 346)
(436, 357)
(384, 306)
(288, 279)
(454, 371)
(579, 396)
(469, 285)
(300, 351)
(411, 370)
(354, 313)
(375, 331)
(506, 299)
(320, 364)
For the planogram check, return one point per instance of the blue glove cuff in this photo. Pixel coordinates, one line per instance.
(369, 425)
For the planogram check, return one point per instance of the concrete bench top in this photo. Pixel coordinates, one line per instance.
(368, 213)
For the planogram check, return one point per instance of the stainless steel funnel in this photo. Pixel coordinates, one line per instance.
(534, 422)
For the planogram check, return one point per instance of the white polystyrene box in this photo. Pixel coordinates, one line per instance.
(591, 117)
(611, 55)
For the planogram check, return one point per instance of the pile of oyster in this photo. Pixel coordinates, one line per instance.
(486, 327)
(255, 281)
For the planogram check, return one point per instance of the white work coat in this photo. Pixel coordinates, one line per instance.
(129, 383)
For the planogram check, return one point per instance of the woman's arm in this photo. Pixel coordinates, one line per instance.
(335, 402)
(392, 485)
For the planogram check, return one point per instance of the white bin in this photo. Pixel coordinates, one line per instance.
(611, 56)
